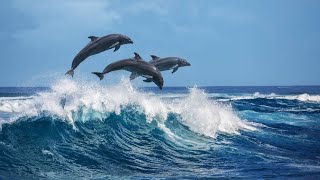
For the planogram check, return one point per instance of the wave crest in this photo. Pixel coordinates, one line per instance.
(305, 97)
(82, 101)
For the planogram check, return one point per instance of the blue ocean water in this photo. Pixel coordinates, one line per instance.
(78, 129)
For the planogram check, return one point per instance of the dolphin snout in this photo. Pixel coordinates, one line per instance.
(185, 63)
(159, 82)
(130, 41)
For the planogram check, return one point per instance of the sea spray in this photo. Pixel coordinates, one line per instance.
(304, 97)
(136, 133)
(206, 116)
(72, 101)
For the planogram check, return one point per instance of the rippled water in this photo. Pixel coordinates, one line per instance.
(77, 129)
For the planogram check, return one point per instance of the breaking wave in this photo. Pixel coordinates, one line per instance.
(83, 101)
(300, 97)
(84, 130)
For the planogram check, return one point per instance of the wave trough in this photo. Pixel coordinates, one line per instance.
(80, 129)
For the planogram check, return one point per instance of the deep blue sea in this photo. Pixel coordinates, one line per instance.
(81, 130)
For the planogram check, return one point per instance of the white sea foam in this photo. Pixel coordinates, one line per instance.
(46, 152)
(14, 98)
(301, 97)
(207, 117)
(82, 100)
(304, 97)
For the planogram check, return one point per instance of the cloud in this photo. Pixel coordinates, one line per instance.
(53, 20)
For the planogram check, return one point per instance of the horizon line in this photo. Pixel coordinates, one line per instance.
(187, 86)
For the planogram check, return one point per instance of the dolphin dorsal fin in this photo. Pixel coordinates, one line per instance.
(137, 57)
(154, 57)
(93, 38)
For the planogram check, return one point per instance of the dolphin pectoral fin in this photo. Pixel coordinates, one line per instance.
(175, 69)
(116, 48)
(148, 80)
(133, 76)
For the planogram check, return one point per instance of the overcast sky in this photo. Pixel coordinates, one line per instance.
(239, 42)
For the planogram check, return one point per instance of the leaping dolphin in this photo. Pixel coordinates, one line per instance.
(98, 45)
(164, 64)
(138, 67)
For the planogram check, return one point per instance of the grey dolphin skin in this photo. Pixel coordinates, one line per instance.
(138, 67)
(98, 45)
(164, 64)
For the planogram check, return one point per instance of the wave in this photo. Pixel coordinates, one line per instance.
(79, 129)
(300, 97)
(83, 101)
(304, 97)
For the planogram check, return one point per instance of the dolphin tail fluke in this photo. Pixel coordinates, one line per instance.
(100, 75)
(70, 72)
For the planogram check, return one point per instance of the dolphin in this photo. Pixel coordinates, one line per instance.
(98, 45)
(137, 66)
(164, 64)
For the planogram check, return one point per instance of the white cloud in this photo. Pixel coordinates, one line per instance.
(53, 20)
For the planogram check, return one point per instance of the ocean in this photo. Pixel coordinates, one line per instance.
(84, 130)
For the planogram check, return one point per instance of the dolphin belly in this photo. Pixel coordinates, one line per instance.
(147, 76)
(174, 66)
(166, 65)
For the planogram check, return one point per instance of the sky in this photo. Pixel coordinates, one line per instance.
(228, 43)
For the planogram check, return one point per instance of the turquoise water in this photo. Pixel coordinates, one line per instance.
(83, 130)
